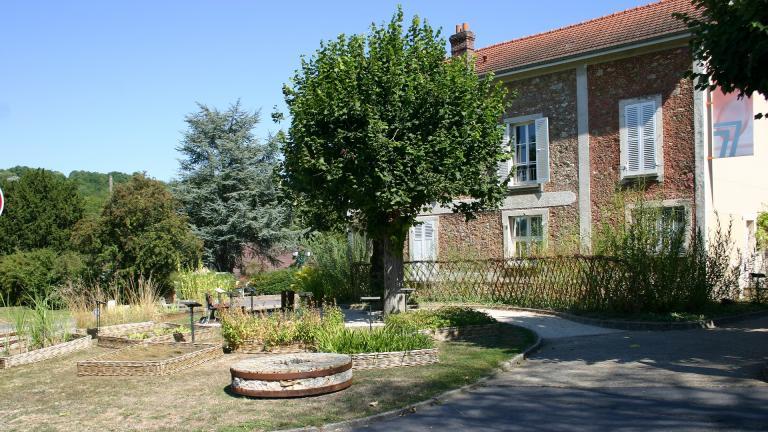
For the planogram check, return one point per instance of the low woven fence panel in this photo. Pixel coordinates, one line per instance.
(549, 282)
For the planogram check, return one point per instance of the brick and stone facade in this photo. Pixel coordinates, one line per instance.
(579, 94)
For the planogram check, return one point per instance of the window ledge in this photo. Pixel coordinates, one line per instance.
(524, 186)
(648, 175)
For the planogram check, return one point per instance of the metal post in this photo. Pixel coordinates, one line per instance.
(192, 322)
(99, 303)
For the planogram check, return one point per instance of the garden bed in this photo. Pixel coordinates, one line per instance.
(78, 342)
(124, 335)
(155, 359)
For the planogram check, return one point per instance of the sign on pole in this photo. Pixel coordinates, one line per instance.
(732, 121)
(2, 201)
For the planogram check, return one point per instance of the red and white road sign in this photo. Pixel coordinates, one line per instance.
(2, 201)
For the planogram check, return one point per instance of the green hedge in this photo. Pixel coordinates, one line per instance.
(448, 316)
(274, 282)
(24, 275)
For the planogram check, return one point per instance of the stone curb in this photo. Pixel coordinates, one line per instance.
(635, 325)
(437, 400)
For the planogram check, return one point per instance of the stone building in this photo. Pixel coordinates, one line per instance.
(600, 106)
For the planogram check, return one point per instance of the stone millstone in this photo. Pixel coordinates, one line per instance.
(292, 375)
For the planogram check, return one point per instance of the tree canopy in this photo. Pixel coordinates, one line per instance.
(40, 210)
(227, 187)
(383, 127)
(141, 231)
(730, 38)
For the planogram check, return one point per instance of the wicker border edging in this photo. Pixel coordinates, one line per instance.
(437, 400)
(631, 325)
(102, 366)
(81, 342)
(386, 360)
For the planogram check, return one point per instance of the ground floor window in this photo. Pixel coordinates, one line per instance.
(527, 235)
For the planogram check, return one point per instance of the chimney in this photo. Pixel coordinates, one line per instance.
(463, 41)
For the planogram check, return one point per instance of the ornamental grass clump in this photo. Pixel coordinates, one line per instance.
(193, 285)
(281, 328)
(431, 319)
(138, 302)
(381, 339)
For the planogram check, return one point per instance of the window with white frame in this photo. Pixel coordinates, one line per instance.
(528, 140)
(641, 137)
(527, 234)
(423, 240)
(671, 220)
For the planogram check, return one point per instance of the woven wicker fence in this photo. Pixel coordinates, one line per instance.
(80, 342)
(568, 282)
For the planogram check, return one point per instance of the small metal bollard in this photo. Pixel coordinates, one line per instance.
(99, 304)
(191, 305)
(252, 292)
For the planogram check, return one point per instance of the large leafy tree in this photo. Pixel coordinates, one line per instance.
(383, 127)
(227, 187)
(141, 232)
(40, 210)
(730, 38)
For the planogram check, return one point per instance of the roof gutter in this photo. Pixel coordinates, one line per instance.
(591, 54)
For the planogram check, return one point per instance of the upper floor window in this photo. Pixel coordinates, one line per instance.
(641, 150)
(528, 140)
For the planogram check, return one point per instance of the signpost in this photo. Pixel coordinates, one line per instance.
(2, 201)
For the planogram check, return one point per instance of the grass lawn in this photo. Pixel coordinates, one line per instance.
(49, 396)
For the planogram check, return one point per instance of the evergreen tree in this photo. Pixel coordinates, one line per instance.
(41, 207)
(227, 188)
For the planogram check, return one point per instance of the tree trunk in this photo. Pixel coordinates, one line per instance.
(387, 274)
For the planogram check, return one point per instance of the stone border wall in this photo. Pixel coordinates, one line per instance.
(80, 343)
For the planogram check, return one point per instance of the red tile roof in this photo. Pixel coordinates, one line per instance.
(630, 26)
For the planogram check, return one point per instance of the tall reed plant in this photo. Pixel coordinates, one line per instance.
(193, 285)
(139, 302)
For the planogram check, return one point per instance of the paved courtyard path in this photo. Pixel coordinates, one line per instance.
(587, 378)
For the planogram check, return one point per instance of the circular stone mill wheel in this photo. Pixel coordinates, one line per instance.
(292, 375)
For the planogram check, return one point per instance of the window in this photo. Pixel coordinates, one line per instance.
(641, 150)
(527, 235)
(528, 140)
(670, 219)
(423, 240)
(525, 232)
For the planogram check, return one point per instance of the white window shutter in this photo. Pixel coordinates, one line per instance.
(542, 150)
(429, 248)
(417, 241)
(648, 115)
(632, 150)
(505, 167)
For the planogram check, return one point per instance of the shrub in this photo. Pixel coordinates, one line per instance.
(331, 274)
(193, 285)
(380, 339)
(448, 316)
(38, 327)
(274, 282)
(26, 275)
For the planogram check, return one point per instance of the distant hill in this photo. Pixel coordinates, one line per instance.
(93, 186)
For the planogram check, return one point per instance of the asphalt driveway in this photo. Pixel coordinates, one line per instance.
(590, 379)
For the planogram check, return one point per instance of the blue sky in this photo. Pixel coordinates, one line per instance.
(105, 85)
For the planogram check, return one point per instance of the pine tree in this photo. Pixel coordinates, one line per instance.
(227, 188)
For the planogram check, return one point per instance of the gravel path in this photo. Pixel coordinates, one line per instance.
(593, 379)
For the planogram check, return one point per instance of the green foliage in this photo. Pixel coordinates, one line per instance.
(381, 339)
(28, 275)
(41, 207)
(226, 187)
(328, 274)
(274, 282)
(731, 39)
(94, 188)
(298, 327)
(192, 285)
(383, 126)
(140, 232)
(447, 316)
(762, 230)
